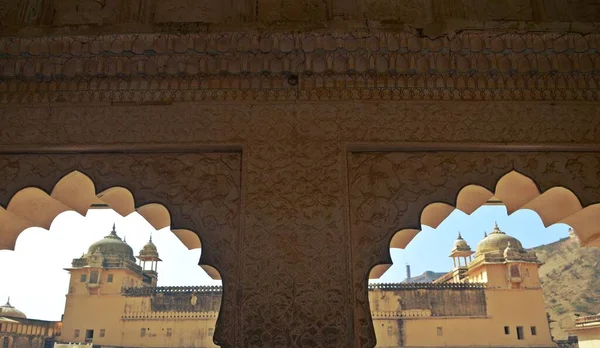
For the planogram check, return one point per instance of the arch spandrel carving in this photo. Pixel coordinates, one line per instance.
(391, 191)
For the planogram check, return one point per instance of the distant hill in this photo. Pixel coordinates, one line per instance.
(570, 282)
(426, 277)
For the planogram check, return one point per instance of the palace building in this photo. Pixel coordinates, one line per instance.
(17, 331)
(114, 301)
(491, 298)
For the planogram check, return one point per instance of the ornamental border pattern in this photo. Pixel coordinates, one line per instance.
(322, 87)
(235, 66)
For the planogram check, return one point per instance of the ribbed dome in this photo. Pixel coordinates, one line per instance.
(497, 241)
(9, 311)
(460, 244)
(112, 245)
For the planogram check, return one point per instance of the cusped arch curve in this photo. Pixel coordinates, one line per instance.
(516, 191)
(33, 207)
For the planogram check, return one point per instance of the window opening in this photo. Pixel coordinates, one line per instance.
(102, 332)
(76, 333)
(5, 342)
(94, 277)
(110, 278)
(439, 331)
(533, 331)
(520, 333)
(169, 332)
(83, 278)
(506, 330)
(89, 335)
(143, 332)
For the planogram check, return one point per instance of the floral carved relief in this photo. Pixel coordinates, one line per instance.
(389, 190)
(200, 190)
(293, 214)
(297, 237)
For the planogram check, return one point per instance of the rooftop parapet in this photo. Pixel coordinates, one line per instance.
(588, 320)
(433, 286)
(145, 291)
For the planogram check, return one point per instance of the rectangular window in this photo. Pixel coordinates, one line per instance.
(439, 331)
(520, 333)
(94, 277)
(210, 331)
(533, 331)
(76, 333)
(169, 332)
(110, 278)
(506, 330)
(143, 332)
(83, 278)
(89, 335)
(102, 332)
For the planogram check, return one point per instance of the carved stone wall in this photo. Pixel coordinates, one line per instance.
(303, 257)
(255, 123)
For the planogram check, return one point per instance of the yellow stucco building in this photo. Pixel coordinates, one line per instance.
(491, 298)
(17, 331)
(114, 301)
(587, 330)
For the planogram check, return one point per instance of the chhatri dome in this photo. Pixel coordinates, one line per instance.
(498, 241)
(9, 311)
(460, 244)
(149, 250)
(112, 245)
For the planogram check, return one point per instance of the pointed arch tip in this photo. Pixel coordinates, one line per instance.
(402, 238)
(585, 225)
(189, 238)
(515, 190)
(156, 214)
(76, 190)
(555, 204)
(378, 270)
(119, 198)
(41, 214)
(471, 197)
(212, 272)
(435, 213)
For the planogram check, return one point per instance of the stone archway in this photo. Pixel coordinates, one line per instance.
(393, 193)
(169, 77)
(196, 194)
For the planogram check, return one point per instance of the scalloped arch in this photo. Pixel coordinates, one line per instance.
(32, 207)
(517, 191)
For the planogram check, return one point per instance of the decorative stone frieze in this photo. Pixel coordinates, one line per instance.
(242, 53)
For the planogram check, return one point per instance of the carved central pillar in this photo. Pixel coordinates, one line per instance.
(295, 246)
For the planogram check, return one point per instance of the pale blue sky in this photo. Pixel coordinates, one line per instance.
(40, 255)
(429, 250)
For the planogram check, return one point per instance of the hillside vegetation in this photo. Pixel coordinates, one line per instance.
(570, 282)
